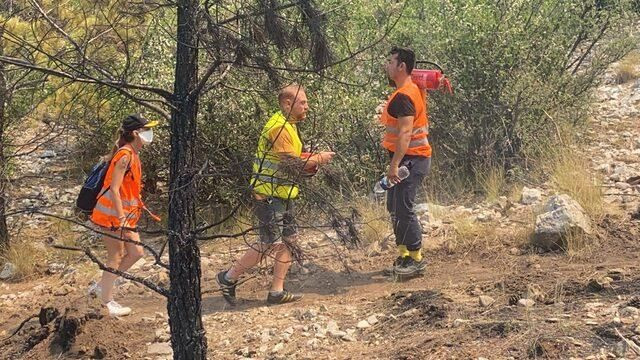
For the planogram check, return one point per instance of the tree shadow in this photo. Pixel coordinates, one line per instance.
(320, 281)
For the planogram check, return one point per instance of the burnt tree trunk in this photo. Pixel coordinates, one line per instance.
(4, 232)
(185, 302)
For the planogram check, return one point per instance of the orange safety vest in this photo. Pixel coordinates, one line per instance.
(419, 144)
(104, 213)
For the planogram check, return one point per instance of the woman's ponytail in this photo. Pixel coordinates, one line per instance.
(122, 138)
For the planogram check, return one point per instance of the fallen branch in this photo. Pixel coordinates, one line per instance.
(631, 344)
(22, 324)
(154, 253)
(160, 290)
(237, 283)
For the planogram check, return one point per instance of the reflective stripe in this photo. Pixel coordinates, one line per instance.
(272, 179)
(419, 142)
(266, 179)
(109, 211)
(127, 203)
(420, 130)
(416, 131)
(265, 164)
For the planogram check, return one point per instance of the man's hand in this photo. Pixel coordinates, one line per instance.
(392, 174)
(325, 157)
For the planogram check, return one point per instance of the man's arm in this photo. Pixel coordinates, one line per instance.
(292, 164)
(405, 128)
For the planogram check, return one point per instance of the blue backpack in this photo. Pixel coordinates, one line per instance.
(90, 191)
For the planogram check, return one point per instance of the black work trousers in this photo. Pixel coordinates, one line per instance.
(401, 199)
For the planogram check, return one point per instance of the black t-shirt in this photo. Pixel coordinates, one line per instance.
(401, 105)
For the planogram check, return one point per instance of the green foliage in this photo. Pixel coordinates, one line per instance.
(520, 70)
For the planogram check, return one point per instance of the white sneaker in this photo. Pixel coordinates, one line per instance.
(95, 290)
(116, 309)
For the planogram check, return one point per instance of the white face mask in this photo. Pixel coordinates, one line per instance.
(146, 136)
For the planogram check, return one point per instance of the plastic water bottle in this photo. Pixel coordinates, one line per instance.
(384, 184)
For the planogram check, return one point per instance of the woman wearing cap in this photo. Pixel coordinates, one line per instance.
(119, 206)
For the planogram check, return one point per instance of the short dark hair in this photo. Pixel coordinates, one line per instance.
(406, 56)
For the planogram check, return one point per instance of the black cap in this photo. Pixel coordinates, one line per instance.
(137, 121)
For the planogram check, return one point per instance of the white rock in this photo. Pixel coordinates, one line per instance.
(8, 271)
(629, 311)
(348, 338)
(530, 196)
(486, 301)
(526, 303)
(421, 208)
(604, 168)
(410, 312)
(484, 217)
(363, 324)
(372, 320)
(562, 215)
(278, 347)
(162, 335)
(265, 337)
(337, 333)
(332, 325)
(47, 154)
(310, 314)
(160, 349)
(313, 343)
(622, 185)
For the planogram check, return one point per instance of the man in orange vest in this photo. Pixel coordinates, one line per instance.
(406, 139)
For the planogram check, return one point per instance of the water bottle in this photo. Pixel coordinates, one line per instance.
(384, 184)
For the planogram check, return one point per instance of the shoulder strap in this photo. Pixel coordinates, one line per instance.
(126, 171)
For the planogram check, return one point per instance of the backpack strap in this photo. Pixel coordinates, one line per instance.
(126, 171)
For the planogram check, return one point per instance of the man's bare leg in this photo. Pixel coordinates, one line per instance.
(282, 258)
(250, 259)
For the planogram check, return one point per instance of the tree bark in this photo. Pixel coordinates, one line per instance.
(4, 232)
(184, 304)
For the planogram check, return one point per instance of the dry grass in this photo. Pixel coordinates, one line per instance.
(468, 235)
(579, 246)
(25, 256)
(571, 175)
(627, 69)
(492, 181)
(62, 233)
(375, 220)
(522, 235)
(452, 185)
(515, 193)
(438, 212)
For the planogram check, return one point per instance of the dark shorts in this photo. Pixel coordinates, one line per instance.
(275, 219)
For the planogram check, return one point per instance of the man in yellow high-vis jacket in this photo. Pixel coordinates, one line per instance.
(276, 167)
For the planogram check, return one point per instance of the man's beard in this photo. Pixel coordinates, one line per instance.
(391, 82)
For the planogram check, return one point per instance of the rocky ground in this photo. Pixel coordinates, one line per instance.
(487, 292)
